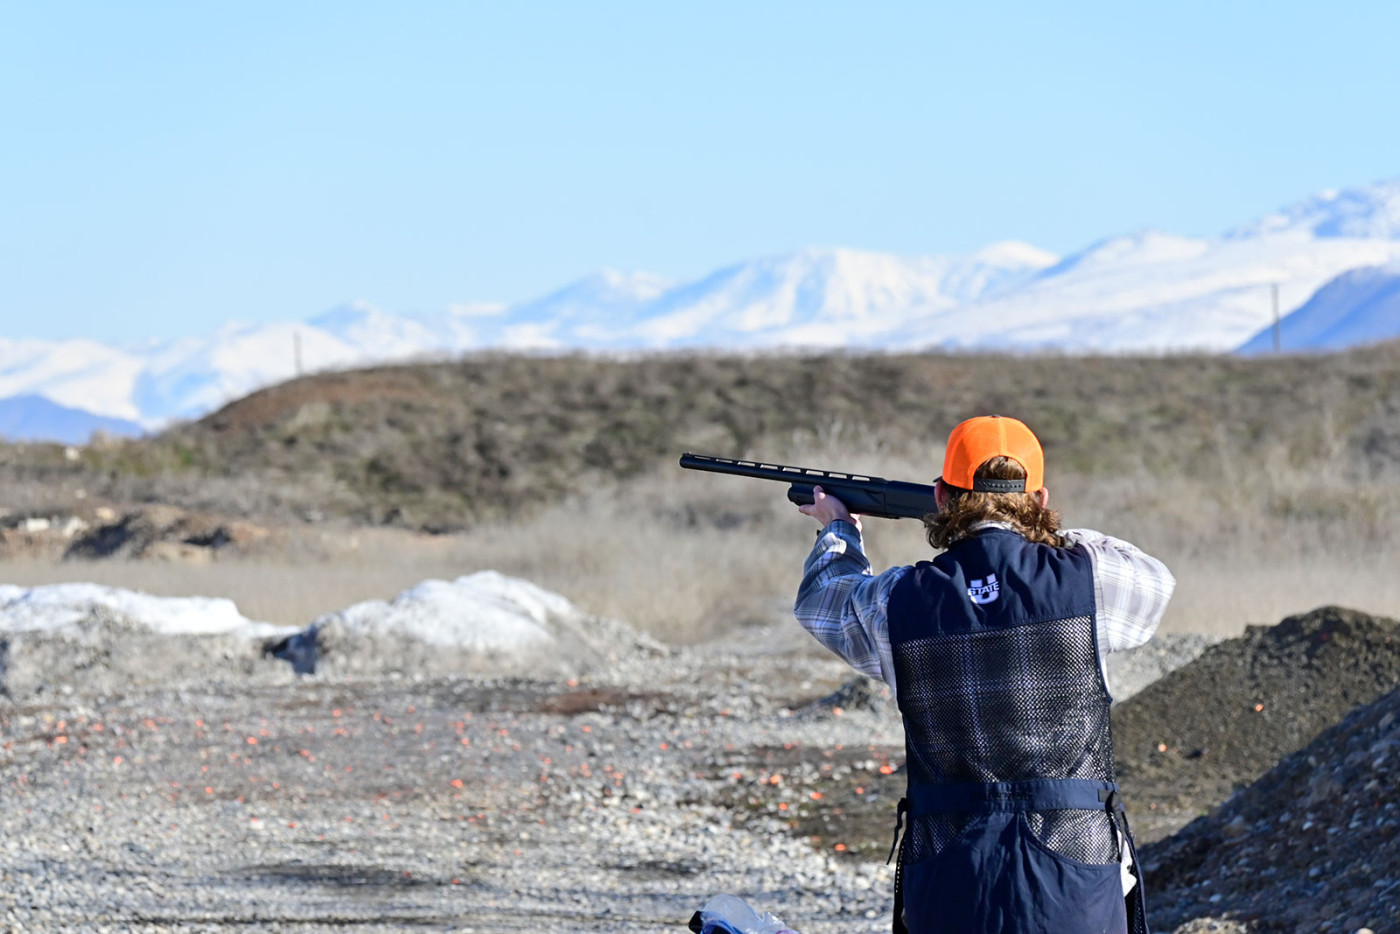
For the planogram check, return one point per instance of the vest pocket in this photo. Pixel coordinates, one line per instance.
(1075, 834)
(999, 878)
(1080, 896)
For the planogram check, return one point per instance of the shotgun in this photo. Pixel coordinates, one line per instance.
(862, 495)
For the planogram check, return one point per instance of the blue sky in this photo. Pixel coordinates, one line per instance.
(169, 166)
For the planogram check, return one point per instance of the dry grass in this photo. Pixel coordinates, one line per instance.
(689, 556)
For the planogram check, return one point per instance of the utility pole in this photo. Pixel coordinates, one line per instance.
(1278, 337)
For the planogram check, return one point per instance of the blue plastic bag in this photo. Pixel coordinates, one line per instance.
(730, 914)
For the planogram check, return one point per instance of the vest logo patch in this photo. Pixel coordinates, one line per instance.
(984, 591)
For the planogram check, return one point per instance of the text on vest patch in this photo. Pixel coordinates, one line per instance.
(984, 591)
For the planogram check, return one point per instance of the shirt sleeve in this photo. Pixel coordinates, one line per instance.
(843, 605)
(1131, 589)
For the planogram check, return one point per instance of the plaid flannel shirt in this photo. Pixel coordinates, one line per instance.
(844, 605)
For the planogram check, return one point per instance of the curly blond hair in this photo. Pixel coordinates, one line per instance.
(1022, 511)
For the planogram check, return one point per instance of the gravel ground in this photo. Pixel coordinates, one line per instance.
(393, 804)
(202, 798)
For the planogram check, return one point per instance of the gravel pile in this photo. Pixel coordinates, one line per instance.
(107, 652)
(1314, 845)
(1189, 740)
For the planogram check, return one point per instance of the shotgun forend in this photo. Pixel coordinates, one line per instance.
(862, 495)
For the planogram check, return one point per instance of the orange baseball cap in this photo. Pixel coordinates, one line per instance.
(980, 439)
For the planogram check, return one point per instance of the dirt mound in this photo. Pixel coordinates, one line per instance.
(41, 534)
(1187, 741)
(1314, 845)
(164, 533)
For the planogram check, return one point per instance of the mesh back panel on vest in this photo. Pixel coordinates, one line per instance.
(1003, 692)
(1005, 705)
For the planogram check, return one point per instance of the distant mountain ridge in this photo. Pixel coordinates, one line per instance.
(1357, 307)
(1368, 213)
(34, 418)
(1147, 291)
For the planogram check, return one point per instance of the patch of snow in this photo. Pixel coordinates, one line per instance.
(481, 612)
(58, 608)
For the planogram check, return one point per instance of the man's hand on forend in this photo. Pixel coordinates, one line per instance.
(827, 509)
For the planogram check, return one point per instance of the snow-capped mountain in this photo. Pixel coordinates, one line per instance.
(1372, 212)
(78, 374)
(816, 297)
(360, 324)
(580, 314)
(1153, 291)
(1146, 291)
(834, 297)
(1357, 307)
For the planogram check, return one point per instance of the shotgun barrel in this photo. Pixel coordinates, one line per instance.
(862, 495)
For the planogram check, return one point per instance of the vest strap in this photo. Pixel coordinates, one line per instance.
(1044, 794)
(898, 826)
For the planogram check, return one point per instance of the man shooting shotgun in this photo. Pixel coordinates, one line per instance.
(995, 650)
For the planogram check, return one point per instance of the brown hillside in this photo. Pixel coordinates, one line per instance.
(441, 445)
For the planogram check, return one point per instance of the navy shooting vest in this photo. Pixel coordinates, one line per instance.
(1012, 799)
